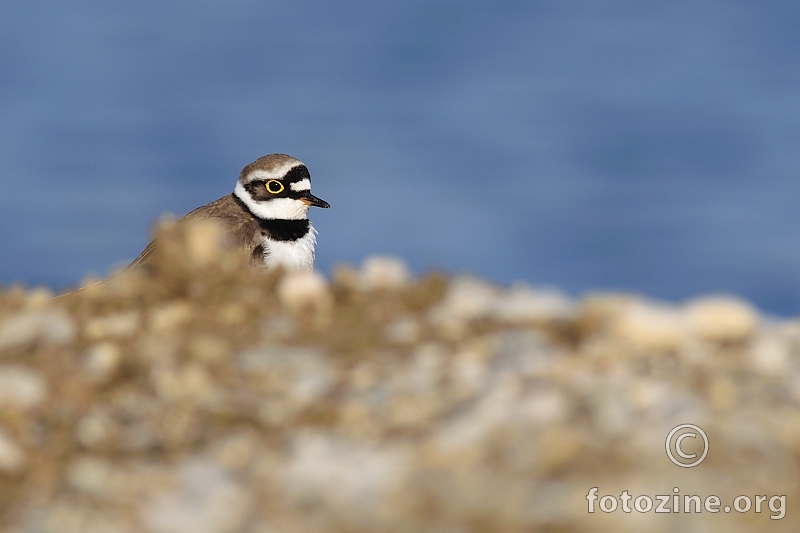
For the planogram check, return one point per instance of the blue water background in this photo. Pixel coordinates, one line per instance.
(629, 145)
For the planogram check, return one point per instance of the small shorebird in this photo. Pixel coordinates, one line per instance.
(266, 214)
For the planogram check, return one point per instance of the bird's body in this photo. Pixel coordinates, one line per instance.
(266, 215)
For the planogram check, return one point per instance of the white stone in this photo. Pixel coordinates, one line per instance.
(101, 361)
(523, 303)
(204, 241)
(307, 372)
(770, 355)
(52, 326)
(38, 298)
(384, 272)
(346, 476)
(12, 458)
(90, 474)
(94, 430)
(117, 325)
(543, 407)
(207, 500)
(403, 331)
(303, 290)
(467, 299)
(188, 382)
(650, 327)
(21, 387)
(166, 318)
(236, 451)
(722, 318)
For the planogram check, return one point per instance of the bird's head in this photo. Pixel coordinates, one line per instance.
(277, 187)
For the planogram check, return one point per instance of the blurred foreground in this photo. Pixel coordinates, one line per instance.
(206, 398)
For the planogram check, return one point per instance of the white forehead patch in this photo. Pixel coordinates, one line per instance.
(302, 185)
(277, 173)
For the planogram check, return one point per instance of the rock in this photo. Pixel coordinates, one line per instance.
(305, 373)
(467, 298)
(20, 387)
(346, 476)
(236, 451)
(206, 500)
(191, 383)
(38, 298)
(166, 318)
(299, 291)
(770, 355)
(558, 445)
(102, 361)
(384, 273)
(209, 349)
(204, 241)
(215, 400)
(722, 319)
(95, 430)
(723, 393)
(50, 326)
(523, 303)
(648, 326)
(403, 331)
(91, 475)
(543, 407)
(12, 457)
(117, 325)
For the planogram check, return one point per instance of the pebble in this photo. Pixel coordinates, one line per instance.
(722, 319)
(771, 355)
(38, 298)
(91, 475)
(384, 273)
(51, 326)
(167, 318)
(300, 291)
(20, 387)
(101, 361)
(236, 451)
(723, 393)
(467, 298)
(209, 349)
(204, 241)
(558, 445)
(117, 325)
(347, 476)
(403, 331)
(214, 401)
(95, 430)
(306, 372)
(12, 457)
(191, 383)
(206, 500)
(522, 303)
(648, 326)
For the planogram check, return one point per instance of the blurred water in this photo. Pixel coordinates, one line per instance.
(633, 145)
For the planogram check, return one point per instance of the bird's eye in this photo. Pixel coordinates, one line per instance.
(274, 186)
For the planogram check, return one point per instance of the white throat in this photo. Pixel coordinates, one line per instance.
(294, 256)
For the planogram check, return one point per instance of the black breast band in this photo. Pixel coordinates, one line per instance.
(284, 230)
(279, 229)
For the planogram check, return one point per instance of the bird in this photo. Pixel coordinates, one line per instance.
(266, 214)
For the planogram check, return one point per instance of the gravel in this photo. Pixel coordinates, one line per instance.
(205, 397)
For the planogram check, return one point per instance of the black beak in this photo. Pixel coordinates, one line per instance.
(311, 200)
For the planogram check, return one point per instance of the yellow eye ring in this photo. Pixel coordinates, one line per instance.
(274, 186)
